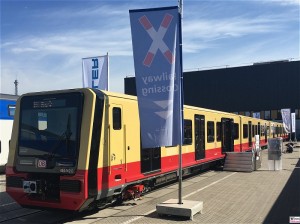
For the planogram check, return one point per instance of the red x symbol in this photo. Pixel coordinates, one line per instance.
(157, 37)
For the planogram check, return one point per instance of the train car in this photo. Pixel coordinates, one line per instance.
(7, 111)
(77, 149)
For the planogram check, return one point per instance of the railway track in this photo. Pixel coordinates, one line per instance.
(12, 213)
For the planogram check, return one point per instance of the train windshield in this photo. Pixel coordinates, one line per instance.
(50, 125)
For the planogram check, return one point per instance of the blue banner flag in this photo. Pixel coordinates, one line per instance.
(156, 34)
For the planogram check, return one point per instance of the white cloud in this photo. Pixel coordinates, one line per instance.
(288, 2)
(96, 11)
(52, 59)
(74, 42)
(207, 33)
(18, 50)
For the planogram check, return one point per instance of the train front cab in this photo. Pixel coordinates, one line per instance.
(106, 158)
(47, 169)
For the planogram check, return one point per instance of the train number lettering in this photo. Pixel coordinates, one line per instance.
(65, 170)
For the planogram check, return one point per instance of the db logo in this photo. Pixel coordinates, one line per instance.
(42, 163)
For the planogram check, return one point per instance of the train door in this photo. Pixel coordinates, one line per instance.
(227, 135)
(199, 137)
(150, 159)
(116, 137)
(266, 134)
(249, 133)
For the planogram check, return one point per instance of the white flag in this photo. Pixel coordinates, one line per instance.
(293, 122)
(95, 72)
(286, 119)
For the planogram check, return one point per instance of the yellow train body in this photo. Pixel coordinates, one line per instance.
(99, 156)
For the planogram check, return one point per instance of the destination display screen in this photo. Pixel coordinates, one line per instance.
(49, 103)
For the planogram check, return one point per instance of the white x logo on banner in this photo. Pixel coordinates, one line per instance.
(157, 37)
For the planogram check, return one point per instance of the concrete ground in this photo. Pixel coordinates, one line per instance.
(262, 196)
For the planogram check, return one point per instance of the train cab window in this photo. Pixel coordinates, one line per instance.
(236, 131)
(11, 110)
(219, 130)
(245, 130)
(210, 131)
(188, 139)
(117, 120)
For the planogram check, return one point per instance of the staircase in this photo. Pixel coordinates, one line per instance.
(239, 161)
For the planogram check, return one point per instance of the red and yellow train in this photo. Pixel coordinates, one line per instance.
(75, 149)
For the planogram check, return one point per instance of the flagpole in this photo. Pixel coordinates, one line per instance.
(107, 72)
(181, 108)
(290, 126)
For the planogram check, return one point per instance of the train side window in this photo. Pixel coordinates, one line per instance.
(117, 120)
(245, 130)
(219, 129)
(188, 138)
(236, 131)
(210, 131)
(262, 132)
(11, 110)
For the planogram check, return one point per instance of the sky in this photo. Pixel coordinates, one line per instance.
(43, 41)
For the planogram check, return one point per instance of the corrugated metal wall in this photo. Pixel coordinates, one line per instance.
(266, 86)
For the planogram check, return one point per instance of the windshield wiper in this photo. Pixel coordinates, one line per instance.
(66, 135)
